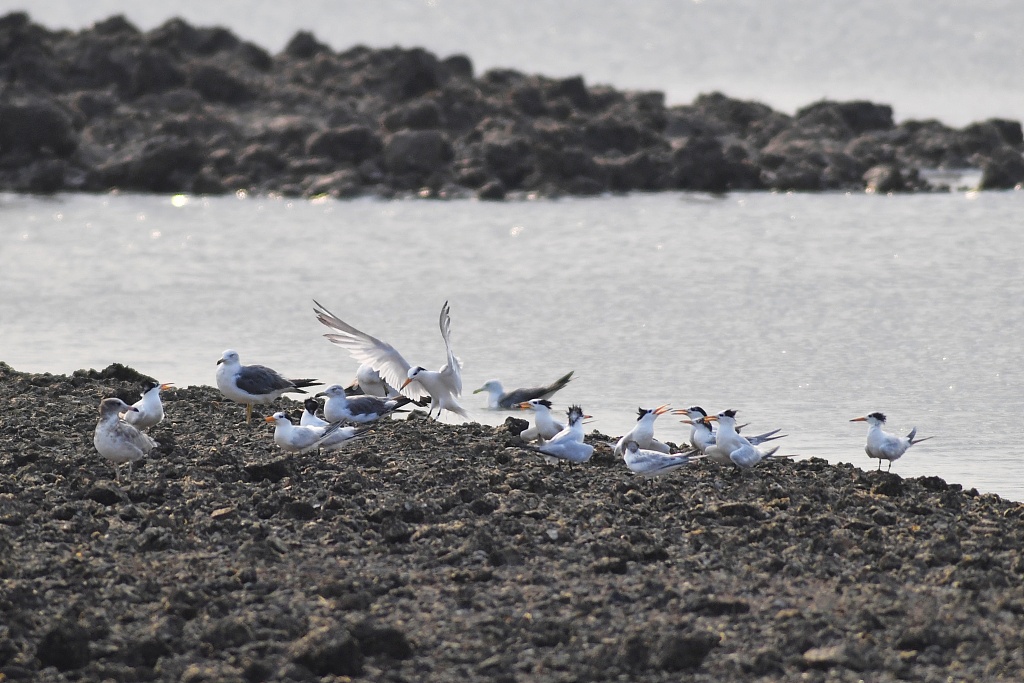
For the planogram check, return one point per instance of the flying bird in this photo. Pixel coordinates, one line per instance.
(252, 384)
(443, 386)
(883, 445)
(499, 399)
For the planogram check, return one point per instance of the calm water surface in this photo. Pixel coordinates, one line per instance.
(800, 311)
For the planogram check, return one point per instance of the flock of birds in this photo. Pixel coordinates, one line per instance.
(386, 382)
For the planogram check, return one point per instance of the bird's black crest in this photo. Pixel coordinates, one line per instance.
(641, 412)
(311, 404)
(578, 410)
(729, 413)
(544, 402)
(698, 409)
(149, 386)
(878, 416)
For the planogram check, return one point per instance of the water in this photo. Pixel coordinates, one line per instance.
(955, 60)
(800, 311)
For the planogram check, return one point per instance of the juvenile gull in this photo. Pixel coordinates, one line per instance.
(544, 426)
(883, 445)
(499, 399)
(149, 410)
(643, 431)
(302, 439)
(361, 409)
(416, 382)
(118, 441)
(251, 384)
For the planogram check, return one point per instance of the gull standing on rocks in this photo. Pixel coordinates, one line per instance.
(731, 447)
(499, 399)
(302, 439)
(568, 443)
(416, 382)
(649, 463)
(118, 441)
(251, 384)
(361, 409)
(883, 445)
(149, 410)
(544, 426)
(643, 431)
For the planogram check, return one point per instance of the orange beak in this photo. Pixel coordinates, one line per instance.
(711, 418)
(405, 384)
(661, 410)
(524, 405)
(268, 418)
(859, 419)
(168, 385)
(687, 421)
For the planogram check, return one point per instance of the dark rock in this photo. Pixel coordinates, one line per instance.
(352, 144)
(458, 66)
(106, 494)
(417, 151)
(420, 114)
(493, 191)
(884, 178)
(375, 639)
(36, 126)
(216, 84)
(65, 646)
(680, 652)
(304, 45)
(328, 650)
(1004, 170)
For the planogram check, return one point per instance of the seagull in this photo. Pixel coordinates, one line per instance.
(250, 384)
(648, 463)
(731, 447)
(416, 382)
(544, 426)
(362, 409)
(302, 439)
(368, 381)
(882, 444)
(148, 410)
(643, 431)
(499, 399)
(117, 440)
(309, 417)
(702, 434)
(568, 443)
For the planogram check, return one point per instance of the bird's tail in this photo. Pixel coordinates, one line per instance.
(913, 433)
(770, 453)
(767, 436)
(354, 390)
(559, 383)
(300, 384)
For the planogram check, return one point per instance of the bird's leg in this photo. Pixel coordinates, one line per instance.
(248, 413)
(889, 469)
(117, 472)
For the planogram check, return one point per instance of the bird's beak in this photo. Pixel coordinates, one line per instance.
(522, 406)
(319, 395)
(405, 384)
(687, 421)
(859, 419)
(711, 418)
(477, 391)
(661, 410)
(681, 411)
(166, 385)
(588, 417)
(268, 418)
(219, 361)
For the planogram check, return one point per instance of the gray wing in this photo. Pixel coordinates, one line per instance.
(522, 395)
(131, 435)
(259, 380)
(367, 405)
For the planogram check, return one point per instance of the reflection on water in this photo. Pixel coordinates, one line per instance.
(800, 311)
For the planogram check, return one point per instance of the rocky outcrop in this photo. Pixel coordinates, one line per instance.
(188, 109)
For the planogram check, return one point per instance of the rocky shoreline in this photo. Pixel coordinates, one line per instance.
(430, 552)
(182, 109)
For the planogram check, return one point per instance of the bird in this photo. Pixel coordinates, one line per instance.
(251, 384)
(361, 409)
(499, 399)
(368, 381)
(731, 447)
(568, 444)
(702, 434)
(302, 439)
(416, 382)
(649, 463)
(643, 431)
(883, 445)
(544, 426)
(118, 441)
(149, 410)
(309, 417)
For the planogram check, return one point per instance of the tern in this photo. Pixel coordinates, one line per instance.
(251, 384)
(149, 410)
(309, 417)
(302, 439)
(649, 463)
(361, 409)
(702, 434)
(118, 441)
(568, 443)
(416, 382)
(731, 447)
(499, 399)
(544, 426)
(643, 431)
(883, 445)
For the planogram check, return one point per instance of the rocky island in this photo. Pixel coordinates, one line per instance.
(434, 552)
(183, 109)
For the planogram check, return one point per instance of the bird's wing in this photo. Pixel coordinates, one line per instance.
(367, 405)
(767, 436)
(259, 379)
(144, 442)
(365, 348)
(453, 370)
(522, 395)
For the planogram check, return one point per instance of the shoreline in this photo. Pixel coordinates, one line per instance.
(434, 552)
(197, 110)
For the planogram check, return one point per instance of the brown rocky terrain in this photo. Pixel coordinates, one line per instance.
(432, 552)
(198, 110)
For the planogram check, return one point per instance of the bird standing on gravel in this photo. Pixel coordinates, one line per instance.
(118, 441)
(544, 426)
(643, 431)
(499, 399)
(361, 409)
(302, 439)
(251, 384)
(883, 445)
(149, 410)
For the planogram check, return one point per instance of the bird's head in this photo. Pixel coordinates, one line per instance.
(333, 391)
(875, 419)
(413, 374)
(312, 405)
(489, 386)
(230, 356)
(115, 406)
(576, 415)
(280, 417)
